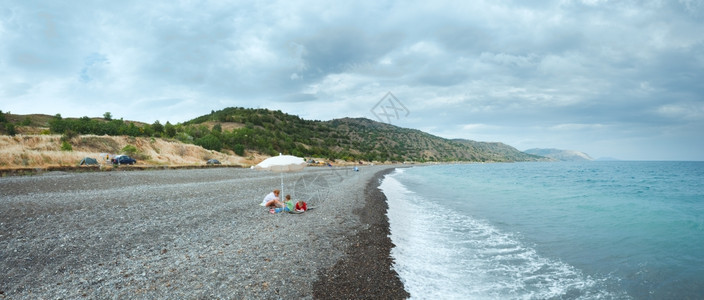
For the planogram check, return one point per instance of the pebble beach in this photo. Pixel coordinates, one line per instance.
(197, 233)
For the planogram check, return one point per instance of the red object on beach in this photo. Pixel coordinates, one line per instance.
(300, 205)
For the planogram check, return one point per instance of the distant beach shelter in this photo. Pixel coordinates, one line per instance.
(281, 164)
(88, 161)
(106, 158)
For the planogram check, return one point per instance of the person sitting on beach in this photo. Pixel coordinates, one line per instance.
(288, 204)
(272, 200)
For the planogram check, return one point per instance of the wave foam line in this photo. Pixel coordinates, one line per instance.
(440, 253)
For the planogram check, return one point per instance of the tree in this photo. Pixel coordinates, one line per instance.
(239, 149)
(147, 130)
(209, 142)
(107, 116)
(57, 124)
(169, 129)
(198, 131)
(113, 127)
(10, 129)
(158, 128)
(217, 128)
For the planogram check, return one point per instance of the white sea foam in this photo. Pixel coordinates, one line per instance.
(441, 254)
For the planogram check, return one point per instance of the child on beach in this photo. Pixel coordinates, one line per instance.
(301, 206)
(288, 204)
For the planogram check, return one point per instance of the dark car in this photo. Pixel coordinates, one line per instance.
(213, 162)
(123, 160)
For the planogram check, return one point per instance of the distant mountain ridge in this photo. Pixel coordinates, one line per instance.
(415, 145)
(350, 139)
(561, 155)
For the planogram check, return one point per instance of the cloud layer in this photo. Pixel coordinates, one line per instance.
(620, 79)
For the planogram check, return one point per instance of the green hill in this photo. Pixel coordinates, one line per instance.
(348, 138)
(272, 132)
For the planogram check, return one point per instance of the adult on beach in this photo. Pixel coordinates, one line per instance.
(272, 200)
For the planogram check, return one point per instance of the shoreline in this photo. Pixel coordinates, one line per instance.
(190, 233)
(365, 271)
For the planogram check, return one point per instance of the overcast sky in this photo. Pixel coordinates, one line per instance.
(621, 79)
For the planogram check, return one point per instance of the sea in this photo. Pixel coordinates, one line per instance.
(549, 230)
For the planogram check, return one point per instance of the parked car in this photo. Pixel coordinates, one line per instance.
(123, 160)
(213, 162)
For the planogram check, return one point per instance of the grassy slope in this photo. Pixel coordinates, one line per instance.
(30, 149)
(41, 151)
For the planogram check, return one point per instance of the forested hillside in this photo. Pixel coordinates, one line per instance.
(272, 132)
(348, 138)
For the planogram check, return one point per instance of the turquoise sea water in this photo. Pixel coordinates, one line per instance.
(589, 230)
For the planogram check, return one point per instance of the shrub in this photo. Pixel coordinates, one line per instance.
(129, 150)
(68, 135)
(10, 129)
(65, 146)
(217, 128)
(209, 142)
(184, 137)
(239, 149)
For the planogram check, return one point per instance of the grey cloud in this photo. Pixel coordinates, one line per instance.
(337, 49)
(608, 68)
(44, 45)
(301, 97)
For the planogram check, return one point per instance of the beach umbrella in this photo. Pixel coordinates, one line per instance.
(281, 164)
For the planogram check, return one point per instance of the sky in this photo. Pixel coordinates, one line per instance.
(620, 79)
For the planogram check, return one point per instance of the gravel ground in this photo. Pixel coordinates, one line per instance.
(366, 271)
(186, 234)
